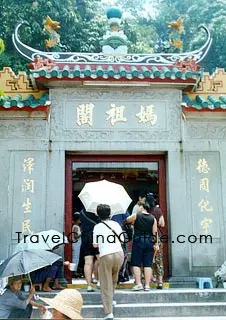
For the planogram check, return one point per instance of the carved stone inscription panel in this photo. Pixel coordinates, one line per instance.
(115, 115)
(205, 206)
(27, 189)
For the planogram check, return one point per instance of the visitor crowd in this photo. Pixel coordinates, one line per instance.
(103, 241)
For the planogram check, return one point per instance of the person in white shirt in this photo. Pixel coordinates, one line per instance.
(142, 198)
(107, 236)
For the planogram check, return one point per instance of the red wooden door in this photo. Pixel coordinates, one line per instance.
(160, 159)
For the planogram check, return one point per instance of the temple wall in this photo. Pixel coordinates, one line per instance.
(183, 143)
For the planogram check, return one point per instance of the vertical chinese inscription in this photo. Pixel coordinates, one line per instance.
(204, 187)
(27, 188)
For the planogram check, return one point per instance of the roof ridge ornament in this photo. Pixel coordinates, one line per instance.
(114, 41)
(157, 59)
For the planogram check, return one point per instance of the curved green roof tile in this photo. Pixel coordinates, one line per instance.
(19, 102)
(122, 72)
(145, 72)
(200, 102)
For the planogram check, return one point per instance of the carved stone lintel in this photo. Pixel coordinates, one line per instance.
(169, 131)
(19, 129)
(205, 130)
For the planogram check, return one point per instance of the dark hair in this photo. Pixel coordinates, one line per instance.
(103, 211)
(151, 200)
(144, 204)
(76, 216)
(142, 194)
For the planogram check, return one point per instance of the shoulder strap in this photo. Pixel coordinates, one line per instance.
(87, 218)
(112, 231)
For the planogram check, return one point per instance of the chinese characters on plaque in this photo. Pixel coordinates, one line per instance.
(115, 114)
(204, 187)
(28, 189)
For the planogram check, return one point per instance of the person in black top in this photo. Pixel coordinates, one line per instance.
(88, 221)
(144, 238)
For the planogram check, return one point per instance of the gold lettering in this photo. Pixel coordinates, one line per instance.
(26, 226)
(203, 166)
(205, 206)
(115, 114)
(147, 114)
(204, 184)
(28, 165)
(27, 206)
(28, 185)
(205, 223)
(85, 114)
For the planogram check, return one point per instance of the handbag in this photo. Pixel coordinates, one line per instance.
(129, 231)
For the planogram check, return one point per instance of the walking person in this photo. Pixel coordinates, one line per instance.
(106, 236)
(91, 254)
(76, 244)
(144, 238)
(14, 304)
(157, 267)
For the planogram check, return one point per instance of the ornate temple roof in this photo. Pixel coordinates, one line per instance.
(18, 93)
(21, 102)
(210, 94)
(41, 69)
(202, 92)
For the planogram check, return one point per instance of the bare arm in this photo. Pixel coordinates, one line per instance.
(76, 233)
(31, 294)
(131, 218)
(162, 222)
(154, 228)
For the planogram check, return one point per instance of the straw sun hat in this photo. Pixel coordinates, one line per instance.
(68, 301)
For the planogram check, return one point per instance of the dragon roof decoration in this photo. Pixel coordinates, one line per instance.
(158, 59)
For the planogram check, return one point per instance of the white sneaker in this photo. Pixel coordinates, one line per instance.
(138, 287)
(109, 316)
(114, 303)
(90, 289)
(98, 284)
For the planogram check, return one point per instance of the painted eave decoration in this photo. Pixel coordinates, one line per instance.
(18, 93)
(48, 69)
(210, 96)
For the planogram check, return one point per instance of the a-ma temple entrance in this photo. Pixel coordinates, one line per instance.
(137, 173)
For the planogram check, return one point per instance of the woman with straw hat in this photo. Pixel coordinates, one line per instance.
(67, 304)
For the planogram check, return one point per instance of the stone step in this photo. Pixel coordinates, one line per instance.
(158, 310)
(154, 296)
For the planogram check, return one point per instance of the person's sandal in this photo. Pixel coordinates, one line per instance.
(159, 286)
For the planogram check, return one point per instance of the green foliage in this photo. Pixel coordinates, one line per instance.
(80, 29)
(195, 13)
(83, 23)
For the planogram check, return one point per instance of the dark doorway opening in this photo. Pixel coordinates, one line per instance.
(139, 173)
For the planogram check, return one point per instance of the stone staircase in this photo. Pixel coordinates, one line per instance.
(167, 303)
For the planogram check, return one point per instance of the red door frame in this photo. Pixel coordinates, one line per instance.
(112, 158)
